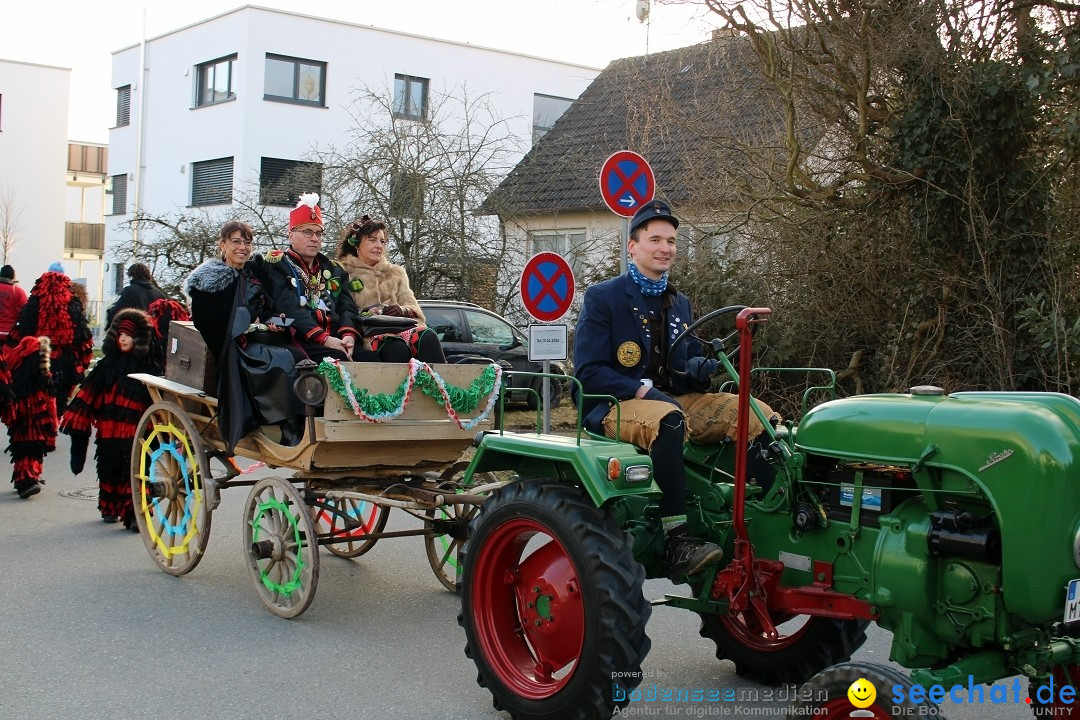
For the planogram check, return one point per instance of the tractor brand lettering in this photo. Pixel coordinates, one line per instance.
(629, 353)
(995, 458)
(974, 693)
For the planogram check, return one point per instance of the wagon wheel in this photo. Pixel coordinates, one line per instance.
(348, 520)
(171, 488)
(280, 546)
(447, 526)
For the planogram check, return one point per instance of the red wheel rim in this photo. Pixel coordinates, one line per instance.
(747, 630)
(840, 708)
(527, 609)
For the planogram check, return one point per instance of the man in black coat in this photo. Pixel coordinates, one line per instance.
(138, 294)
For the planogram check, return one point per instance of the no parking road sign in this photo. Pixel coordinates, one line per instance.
(626, 182)
(547, 286)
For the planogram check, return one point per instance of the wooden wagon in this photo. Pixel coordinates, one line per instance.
(385, 436)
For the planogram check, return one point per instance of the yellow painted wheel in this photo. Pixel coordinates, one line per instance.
(169, 488)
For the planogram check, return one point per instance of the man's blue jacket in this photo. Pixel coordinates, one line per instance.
(612, 343)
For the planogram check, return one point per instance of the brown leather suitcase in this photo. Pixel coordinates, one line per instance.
(187, 359)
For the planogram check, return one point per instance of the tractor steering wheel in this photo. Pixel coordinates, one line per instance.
(719, 345)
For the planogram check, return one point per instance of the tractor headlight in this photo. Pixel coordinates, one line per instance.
(1076, 547)
(638, 474)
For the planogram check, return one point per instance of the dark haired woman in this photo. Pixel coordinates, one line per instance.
(256, 359)
(140, 292)
(380, 287)
(113, 403)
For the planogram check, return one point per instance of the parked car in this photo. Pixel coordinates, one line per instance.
(466, 329)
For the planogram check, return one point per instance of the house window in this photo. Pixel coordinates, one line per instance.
(119, 194)
(407, 195)
(546, 110)
(215, 81)
(294, 80)
(568, 243)
(123, 106)
(282, 181)
(118, 278)
(410, 97)
(211, 182)
(709, 244)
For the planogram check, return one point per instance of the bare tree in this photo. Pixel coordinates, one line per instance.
(10, 216)
(174, 244)
(426, 177)
(917, 221)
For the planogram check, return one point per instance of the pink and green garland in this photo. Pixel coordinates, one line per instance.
(380, 407)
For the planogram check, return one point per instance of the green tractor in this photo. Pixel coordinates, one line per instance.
(951, 520)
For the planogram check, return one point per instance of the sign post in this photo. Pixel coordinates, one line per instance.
(547, 292)
(626, 183)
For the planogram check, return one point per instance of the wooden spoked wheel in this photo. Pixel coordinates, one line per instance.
(281, 547)
(171, 488)
(347, 521)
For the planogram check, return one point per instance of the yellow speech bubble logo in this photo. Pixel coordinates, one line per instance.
(862, 693)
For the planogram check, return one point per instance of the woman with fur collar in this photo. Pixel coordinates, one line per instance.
(380, 287)
(232, 310)
(113, 403)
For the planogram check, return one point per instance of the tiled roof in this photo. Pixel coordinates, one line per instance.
(686, 111)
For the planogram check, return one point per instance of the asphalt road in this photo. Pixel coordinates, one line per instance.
(90, 628)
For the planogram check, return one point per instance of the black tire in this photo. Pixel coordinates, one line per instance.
(815, 644)
(535, 402)
(828, 690)
(557, 656)
(1055, 708)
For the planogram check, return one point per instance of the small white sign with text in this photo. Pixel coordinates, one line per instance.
(547, 342)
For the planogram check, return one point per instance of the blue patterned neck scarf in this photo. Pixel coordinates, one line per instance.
(649, 288)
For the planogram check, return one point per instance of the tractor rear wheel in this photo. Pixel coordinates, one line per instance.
(552, 605)
(826, 694)
(805, 645)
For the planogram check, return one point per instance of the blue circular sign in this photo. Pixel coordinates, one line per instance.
(547, 286)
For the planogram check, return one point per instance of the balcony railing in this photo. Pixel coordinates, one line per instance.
(87, 237)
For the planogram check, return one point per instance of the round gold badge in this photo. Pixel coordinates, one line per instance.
(629, 354)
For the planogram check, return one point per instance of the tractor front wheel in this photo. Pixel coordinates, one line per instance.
(832, 693)
(552, 604)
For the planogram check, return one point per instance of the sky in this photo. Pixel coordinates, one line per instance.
(82, 34)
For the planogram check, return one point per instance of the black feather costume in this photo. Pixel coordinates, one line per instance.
(52, 310)
(113, 403)
(28, 410)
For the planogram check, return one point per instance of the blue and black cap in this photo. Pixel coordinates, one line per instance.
(654, 210)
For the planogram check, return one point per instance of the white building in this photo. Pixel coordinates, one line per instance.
(84, 222)
(33, 157)
(233, 101)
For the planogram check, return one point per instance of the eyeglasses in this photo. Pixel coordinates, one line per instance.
(236, 242)
(311, 233)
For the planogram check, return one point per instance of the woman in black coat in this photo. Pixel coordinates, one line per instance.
(138, 294)
(255, 356)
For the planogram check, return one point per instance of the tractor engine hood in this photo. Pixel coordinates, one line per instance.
(1016, 454)
(972, 431)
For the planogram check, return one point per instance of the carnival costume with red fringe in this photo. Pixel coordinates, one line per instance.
(28, 410)
(53, 311)
(113, 403)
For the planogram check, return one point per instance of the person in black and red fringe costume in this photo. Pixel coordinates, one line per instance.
(113, 402)
(53, 310)
(28, 408)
